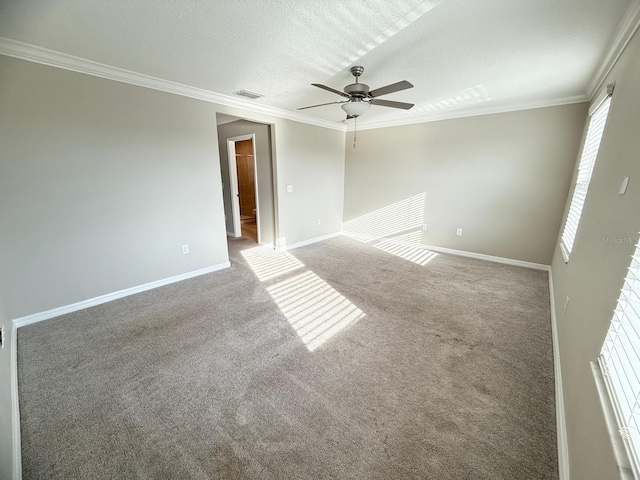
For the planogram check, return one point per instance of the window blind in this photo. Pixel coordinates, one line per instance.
(620, 360)
(585, 169)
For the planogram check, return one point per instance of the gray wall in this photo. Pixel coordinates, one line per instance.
(102, 182)
(264, 169)
(100, 185)
(501, 178)
(312, 160)
(593, 277)
(6, 418)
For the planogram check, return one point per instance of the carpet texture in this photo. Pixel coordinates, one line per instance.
(337, 360)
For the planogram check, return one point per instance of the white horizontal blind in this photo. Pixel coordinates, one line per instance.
(620, 360)
(585, 169)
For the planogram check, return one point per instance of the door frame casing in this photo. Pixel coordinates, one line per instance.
(233, 180)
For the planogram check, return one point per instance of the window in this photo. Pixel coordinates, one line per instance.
(620, 360)
(598, 117)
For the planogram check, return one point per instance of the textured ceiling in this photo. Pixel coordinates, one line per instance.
(461, 55)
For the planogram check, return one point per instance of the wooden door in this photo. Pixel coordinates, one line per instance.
(246, 178)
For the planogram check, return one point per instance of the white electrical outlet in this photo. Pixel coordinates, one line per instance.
(459, 232)
(185, 248)
(623, 186)
(319, 222)
(289, 188)
(424, 226)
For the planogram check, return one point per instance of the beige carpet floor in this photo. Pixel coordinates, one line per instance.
(338, 360)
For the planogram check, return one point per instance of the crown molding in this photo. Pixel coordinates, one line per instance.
(32, 53)
(397, 122)
(14, 48)
(628, 26)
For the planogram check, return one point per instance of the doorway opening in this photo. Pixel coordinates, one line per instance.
(244, 187)
(248, 174)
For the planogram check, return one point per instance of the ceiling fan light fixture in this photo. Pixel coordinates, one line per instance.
(355, 109)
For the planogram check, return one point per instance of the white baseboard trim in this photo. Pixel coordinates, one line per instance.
(561, 425)
(91, 302)
(461, 253)
(15, 406)
(490, 258)
(312, 240)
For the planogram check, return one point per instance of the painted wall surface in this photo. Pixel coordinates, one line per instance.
(102, 182)
(501, 178)
(311, 160)
(6, 417)
(100, 185)
(594, 274)
(264, 164)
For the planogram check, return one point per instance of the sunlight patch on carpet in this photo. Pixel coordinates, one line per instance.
(315, 310)
(267, 263)
(408, 247)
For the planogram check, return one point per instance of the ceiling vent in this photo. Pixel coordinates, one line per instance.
(248, 94)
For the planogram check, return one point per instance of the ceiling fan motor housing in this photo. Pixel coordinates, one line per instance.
(358, 90)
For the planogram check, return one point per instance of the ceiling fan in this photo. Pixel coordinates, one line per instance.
(360, 98)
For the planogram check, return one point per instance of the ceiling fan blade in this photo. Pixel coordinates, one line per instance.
(324, 87)
(394, 87)
(389, 103)
(320, 105)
